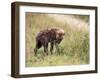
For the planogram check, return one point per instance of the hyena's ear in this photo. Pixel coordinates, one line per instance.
(57, 36)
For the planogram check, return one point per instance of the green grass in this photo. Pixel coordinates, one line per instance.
(74, 49)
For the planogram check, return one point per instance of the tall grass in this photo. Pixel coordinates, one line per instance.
(74, 49)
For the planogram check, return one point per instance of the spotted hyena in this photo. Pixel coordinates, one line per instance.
(54, 36)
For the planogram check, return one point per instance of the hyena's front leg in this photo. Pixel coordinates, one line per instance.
(51, 47)
(57, 47)
(46, 48)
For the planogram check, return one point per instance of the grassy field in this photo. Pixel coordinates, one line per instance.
(74, 48)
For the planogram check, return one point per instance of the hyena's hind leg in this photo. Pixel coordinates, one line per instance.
(38, 45)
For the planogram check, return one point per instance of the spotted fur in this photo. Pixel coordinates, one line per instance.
(54, 36)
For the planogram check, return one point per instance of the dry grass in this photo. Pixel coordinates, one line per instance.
(74, 48)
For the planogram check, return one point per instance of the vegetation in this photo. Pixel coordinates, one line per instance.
(74, 49)
(84, 17)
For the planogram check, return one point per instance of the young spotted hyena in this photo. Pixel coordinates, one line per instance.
(53, 36)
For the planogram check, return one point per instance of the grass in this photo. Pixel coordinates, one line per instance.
(74, 49)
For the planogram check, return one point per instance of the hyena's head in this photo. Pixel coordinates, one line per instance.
(60, 33)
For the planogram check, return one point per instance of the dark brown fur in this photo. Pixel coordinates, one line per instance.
(53, 36)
